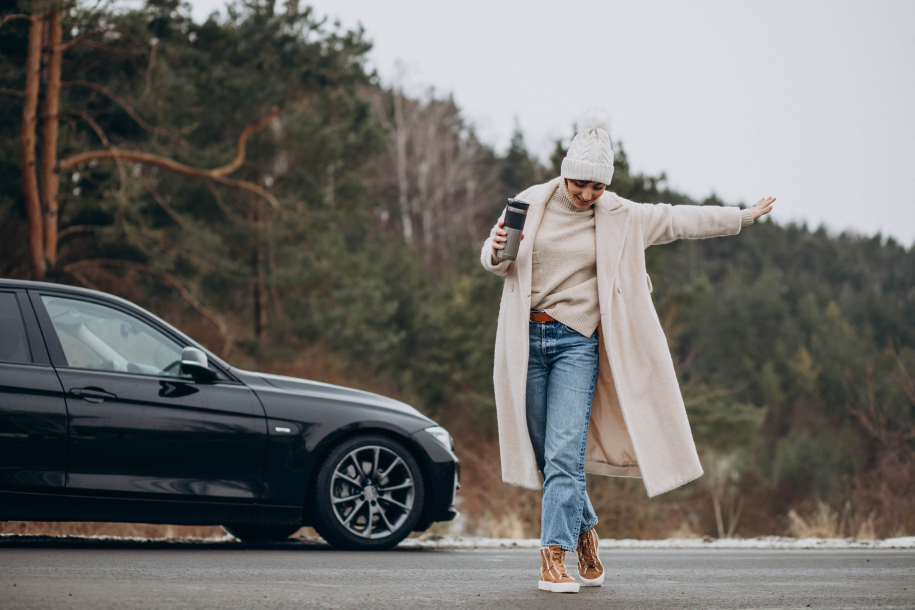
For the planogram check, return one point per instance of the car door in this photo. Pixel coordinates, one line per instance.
(33, 414)
(138, 427)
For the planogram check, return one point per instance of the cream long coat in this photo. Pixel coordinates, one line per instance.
(638, 422)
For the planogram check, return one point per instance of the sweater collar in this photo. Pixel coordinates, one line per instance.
(608, 201)
(564, 199)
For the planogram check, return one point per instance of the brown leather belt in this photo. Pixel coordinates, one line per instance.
(541, 316)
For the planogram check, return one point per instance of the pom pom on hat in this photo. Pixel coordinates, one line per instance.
(590, 155)
(594, 118)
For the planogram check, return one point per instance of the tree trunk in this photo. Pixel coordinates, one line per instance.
(400, 135)
(29, 124)
(260, 298)
(50, 177)
(717, 506)
(424, 203)
(260, 287)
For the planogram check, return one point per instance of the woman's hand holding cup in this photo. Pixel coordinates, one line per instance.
(498, 242)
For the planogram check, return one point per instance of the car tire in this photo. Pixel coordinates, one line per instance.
(368, 495)
(261, 533)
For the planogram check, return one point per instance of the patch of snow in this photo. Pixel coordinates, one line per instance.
(763, 542)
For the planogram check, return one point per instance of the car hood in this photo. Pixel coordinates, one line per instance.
(329, 391)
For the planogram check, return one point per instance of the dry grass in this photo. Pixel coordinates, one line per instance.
(123, 530)
(132, 530)
(822, 523)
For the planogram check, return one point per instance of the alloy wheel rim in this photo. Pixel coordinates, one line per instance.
(372, 492)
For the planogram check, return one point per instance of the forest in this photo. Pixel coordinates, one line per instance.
(249, 180)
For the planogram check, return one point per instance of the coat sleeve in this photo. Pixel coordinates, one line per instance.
(486, 254)
(663, 223)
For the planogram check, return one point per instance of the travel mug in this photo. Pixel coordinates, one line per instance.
(515, 215)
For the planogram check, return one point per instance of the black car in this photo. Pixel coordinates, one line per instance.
(107, 413)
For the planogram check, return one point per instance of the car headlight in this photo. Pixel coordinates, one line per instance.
(442, 436)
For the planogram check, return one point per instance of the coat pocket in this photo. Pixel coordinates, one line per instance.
(536, 273)
(648, 277)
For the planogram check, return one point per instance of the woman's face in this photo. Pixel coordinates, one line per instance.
(584, 193)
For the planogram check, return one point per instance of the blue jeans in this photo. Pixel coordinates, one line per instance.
(561, 376)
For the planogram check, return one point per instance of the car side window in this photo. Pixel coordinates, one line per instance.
(14, 345)
(98, 337)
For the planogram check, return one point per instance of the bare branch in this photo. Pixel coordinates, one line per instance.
(92, 123)
(16, 16)
(208, 312)
(72, 43)
(169, 164)
(77, 229)
(242, 142)
(218, 174)
(107, 49)
(164, 204)
(82, 279)
(231, 215)
(12, 92)
(117, 99)
(101, 135)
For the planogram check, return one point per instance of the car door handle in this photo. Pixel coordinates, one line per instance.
(92, 394)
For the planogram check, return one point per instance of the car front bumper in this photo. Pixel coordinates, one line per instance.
(443, 478)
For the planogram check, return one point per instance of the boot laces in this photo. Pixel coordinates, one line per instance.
(558, 557)
(586, 550)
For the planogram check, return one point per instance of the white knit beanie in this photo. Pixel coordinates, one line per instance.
(590, 155)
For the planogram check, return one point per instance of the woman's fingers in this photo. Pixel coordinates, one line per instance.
(763, 206)
(501, 237)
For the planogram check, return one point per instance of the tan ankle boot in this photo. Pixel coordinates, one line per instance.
(553, 575)
(590, 568)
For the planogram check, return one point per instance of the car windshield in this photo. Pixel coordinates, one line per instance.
(94, 336)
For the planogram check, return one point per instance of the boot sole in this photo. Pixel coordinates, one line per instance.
(558, 587)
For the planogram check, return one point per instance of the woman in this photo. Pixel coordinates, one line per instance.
(583, 377)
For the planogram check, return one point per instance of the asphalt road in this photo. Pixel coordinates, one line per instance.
(127, 575)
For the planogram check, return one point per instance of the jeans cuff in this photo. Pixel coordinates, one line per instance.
(567, 549)
(587, 528)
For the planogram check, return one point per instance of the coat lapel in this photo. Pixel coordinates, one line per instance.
(538, 198)
(611, 221)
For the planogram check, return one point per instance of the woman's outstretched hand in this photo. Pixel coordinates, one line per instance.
(762, 207)
(498, 242)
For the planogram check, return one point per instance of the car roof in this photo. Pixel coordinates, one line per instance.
(32, 285)
(77, 290)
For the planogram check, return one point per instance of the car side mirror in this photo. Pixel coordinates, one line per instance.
(194, 363)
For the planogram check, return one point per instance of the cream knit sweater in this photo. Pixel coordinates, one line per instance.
(564, 270)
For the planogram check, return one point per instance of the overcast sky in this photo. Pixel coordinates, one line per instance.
(810, 102)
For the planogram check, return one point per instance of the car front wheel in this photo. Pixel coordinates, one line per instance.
(368, 494)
